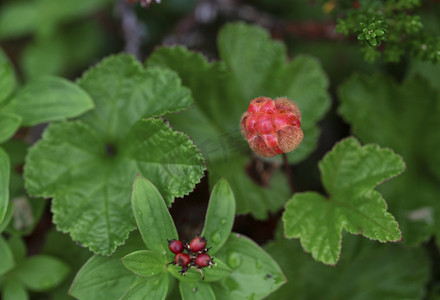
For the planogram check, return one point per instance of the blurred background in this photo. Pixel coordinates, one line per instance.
(65, 37)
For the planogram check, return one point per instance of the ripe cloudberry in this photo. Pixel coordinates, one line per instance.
(197, 244)
(182, 259)
(203, 260)
(272, 127)
(175, 246)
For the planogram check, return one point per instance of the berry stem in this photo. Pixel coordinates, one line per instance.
(288, 173)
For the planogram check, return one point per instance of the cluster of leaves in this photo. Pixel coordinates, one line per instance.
(148, 272)
(392, 23)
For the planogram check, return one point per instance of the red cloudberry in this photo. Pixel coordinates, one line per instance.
(272, 127)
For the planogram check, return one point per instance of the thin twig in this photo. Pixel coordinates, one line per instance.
(131, 29)
(288, 173)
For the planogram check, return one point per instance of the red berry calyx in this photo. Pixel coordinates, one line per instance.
(272, 127)
(175, 246)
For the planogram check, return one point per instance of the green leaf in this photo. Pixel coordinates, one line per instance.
(253, 65)
(253, 197)
(14, 290)
(49, 99)
(124, 92)
(41, 272)
(254, 273)
(103, 278)
(406, 119)
(145, 263)
(18, 248)
(7, 77)
(7, 261)
(349, 174)
(7, 218)
(88, 166)
(220, 215)
(155, 287)
(4, 183)
(218, 271)
(366, 270)
(90, 186)
(9, 124)
(152, 217)
(196, 291)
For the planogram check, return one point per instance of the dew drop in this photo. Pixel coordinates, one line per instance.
(223, 221)
(216, 238)
(195, 290)
(139, 213)
(234, 260)
(258, 264)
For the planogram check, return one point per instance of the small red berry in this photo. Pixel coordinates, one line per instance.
(203, 260)
(175, 246)
(272, 127)
(197, 244)
(182, 259)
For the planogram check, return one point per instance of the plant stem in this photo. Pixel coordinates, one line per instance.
(288, 173)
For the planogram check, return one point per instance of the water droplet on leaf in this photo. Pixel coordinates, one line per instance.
(234, 260)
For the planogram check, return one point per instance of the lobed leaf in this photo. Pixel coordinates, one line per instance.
(406, 118)
(88, 166)
(49, 99)
(124, 92)
(219, 216)
(254, 273)
(373, 271)
(252, 65)
(349, 173)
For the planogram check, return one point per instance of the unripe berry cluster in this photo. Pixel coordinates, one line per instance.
(192, 255)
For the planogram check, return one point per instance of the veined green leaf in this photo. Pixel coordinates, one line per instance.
(366, 270)
(145, 263)
(155, 287)
(406, 118)
(49, 99)
(252, 65)
(152, 217)
(349, 173)
(220, 215)
(92, 188)
(254, 273)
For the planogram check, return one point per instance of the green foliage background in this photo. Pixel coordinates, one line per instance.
(364, 221)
